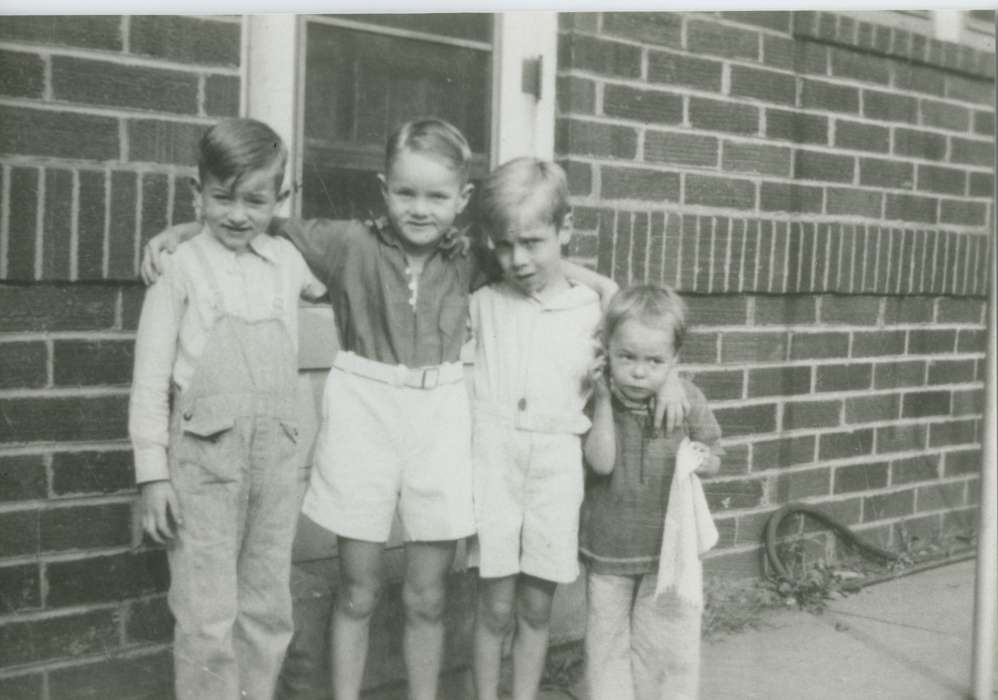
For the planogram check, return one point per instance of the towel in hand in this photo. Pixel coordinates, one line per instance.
(689, 529)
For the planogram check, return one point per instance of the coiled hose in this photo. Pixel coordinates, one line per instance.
(841, 530)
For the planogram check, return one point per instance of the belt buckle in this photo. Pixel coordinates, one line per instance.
(428, 372)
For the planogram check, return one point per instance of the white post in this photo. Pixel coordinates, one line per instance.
(985, 594)
(947, 25)
(270, 77)
(524, 123)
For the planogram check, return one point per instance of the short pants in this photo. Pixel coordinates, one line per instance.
(383, 447)
(528, 491)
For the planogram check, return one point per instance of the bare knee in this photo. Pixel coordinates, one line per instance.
(534, 613)
(496, 615)
(424, 603)
(358, 600)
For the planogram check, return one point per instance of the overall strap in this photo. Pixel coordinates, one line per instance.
(217, 300)
(277, 305)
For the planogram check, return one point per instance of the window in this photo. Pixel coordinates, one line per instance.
(367, 74)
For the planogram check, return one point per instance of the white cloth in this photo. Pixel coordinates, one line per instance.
(689, 529)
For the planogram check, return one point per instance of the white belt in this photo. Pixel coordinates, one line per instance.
(400, 375)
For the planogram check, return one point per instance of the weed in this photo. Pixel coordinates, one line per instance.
(732, 606)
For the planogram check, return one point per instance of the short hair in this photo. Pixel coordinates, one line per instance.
(432, 136)
(652, 306)
(520, 183)
(234, 147)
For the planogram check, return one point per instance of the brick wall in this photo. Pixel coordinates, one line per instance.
(98, 121)
(820, 189)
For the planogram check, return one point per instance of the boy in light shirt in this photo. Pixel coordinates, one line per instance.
(213, 420)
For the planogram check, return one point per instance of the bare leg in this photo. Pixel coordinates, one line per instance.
(533, 624)
(359, 591)
(424, 593)
(493, 620)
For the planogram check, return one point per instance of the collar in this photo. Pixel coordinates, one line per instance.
(383, 228)
(263, 245)
(632, 406)
(576, 296)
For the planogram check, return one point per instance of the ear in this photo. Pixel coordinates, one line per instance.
(383, 183)
(565, 230)
(465, 196)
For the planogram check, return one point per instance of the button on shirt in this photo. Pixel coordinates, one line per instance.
(532, 356)
(383, 311)
(177, 318)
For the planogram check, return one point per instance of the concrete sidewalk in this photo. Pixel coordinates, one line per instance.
(905, 639)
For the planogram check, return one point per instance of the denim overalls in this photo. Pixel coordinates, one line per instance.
(232, 461)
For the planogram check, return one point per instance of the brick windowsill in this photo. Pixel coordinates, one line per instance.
(873, 38)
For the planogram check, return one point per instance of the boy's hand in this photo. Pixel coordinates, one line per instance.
(455, 244)
(671, 402)
(599, 375)
(159, 508)
(164, 243)
(710, 463)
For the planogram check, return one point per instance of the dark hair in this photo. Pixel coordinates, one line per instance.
(233, 147)
(432, 136)
(652, 306)
(524, 182)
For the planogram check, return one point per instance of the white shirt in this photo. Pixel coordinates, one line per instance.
(532, 357)
(177, 317)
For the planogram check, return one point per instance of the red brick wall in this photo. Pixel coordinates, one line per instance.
(98, 122)
(820, 189)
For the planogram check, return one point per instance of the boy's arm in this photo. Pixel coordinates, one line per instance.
(600, 445)
(320, 241)
(704, 428)
(148, 410)
(604, 286)
(155, 354)
(671, 403)
(162, 244)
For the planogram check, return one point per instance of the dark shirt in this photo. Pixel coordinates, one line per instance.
(623, 514)
(365, 269)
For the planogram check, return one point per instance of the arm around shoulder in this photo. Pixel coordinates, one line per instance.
(320, 241)
(162, 244)
(603, 286)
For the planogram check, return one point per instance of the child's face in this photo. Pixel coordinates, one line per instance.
(424, 196)
(529, 253)
(236, 212)
(640, 358)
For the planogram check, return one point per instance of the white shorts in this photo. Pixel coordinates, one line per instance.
(382, 447)
(528, 491)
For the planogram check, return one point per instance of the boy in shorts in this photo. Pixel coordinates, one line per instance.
(534, 333)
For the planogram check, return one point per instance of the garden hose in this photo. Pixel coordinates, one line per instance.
(841, 530)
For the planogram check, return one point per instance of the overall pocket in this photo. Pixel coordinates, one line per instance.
(208, 446)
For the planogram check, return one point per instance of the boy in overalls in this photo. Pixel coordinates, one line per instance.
(212, 420)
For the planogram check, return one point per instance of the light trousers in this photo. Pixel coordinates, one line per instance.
(637, 647)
